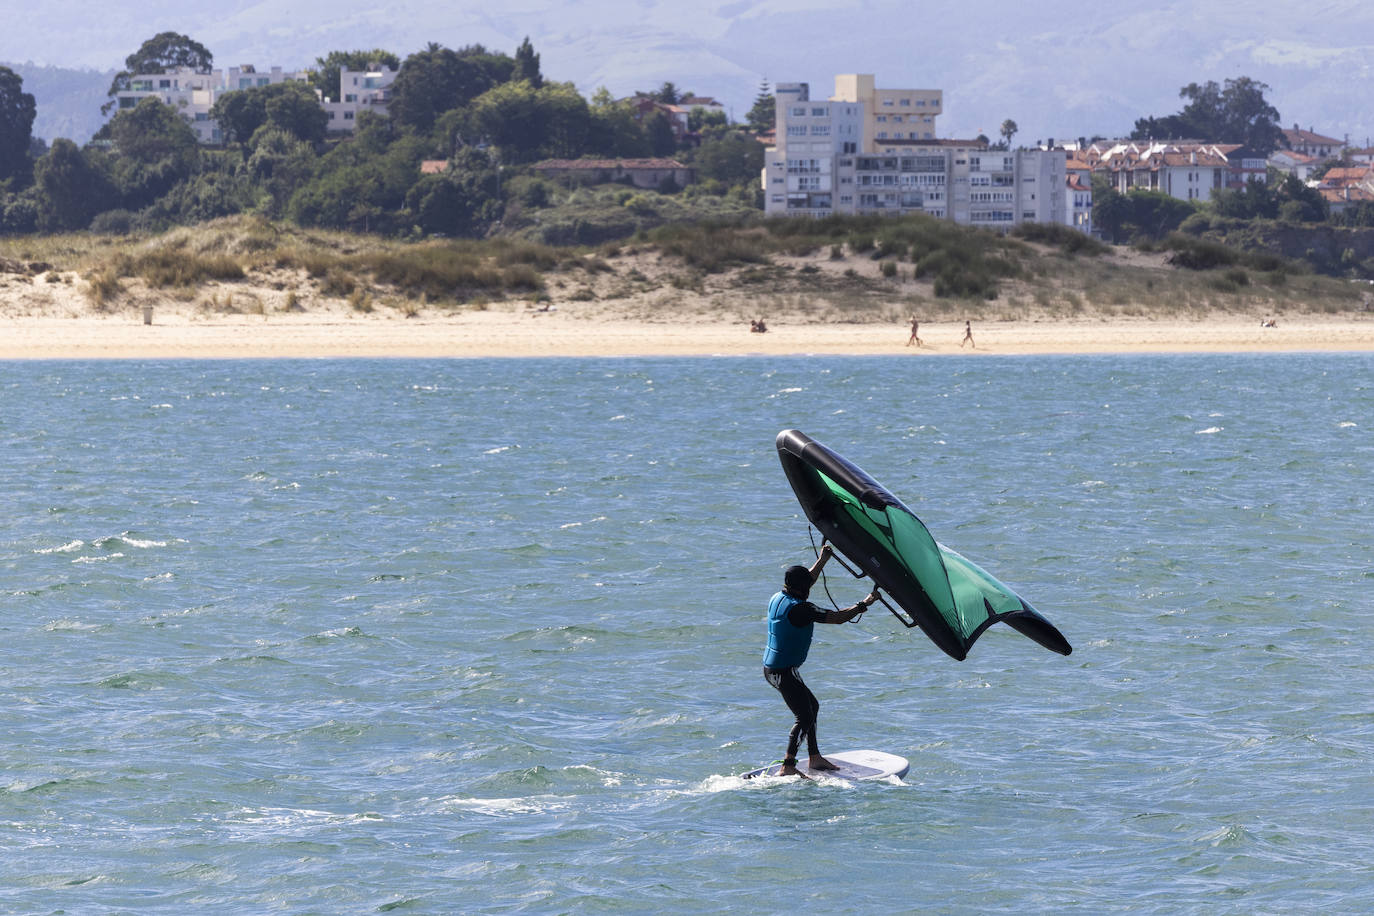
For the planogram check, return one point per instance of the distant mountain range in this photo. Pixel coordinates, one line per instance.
(1056, 68)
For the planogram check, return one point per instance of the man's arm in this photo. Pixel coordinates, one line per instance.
(850, 613)
(826, 553)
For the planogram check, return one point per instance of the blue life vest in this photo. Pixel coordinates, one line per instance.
(787, 644)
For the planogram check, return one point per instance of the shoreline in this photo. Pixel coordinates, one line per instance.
(177, 334)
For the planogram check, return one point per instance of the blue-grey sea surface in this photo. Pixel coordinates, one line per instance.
(485, 637)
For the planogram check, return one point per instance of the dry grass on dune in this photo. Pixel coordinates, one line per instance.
(829, 272)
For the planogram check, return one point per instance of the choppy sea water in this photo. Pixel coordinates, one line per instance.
(485, 636)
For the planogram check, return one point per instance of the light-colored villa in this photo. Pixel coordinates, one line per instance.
(359, 90)
(193, 94)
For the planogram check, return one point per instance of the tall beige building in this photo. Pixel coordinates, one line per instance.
(890, 114)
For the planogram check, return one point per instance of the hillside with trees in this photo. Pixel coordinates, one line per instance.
(485, 114)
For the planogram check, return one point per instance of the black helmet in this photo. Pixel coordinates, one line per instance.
(797, 580)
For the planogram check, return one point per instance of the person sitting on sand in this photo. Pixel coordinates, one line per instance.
(758, 327)
(915, 326)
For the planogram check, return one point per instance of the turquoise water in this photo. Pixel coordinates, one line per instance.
(484, 636)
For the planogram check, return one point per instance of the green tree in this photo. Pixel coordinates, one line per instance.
(153, 149)
(1008, 130)
(527, 65)
(163, 52)
(438, 79)
(464, 201)
(1111, 210)
(613, 131)
(699, 119)
(662, 141)
(731, 157)
(288, 106)
(71, 191)
(17, 111)
(1156, 214)
(293, 107)
(325, 76)
(763, 116)
(528, 124)
(1235, 113)
(666, 93)
(280, 165)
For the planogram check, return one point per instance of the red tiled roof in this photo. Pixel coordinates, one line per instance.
(1298, 135)
(1345, 195)
(433, 166)
(1343, 174)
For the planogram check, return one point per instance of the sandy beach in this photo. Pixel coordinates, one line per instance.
(525, 332)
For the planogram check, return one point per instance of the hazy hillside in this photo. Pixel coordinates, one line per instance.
(1056, 68)
(68, 100)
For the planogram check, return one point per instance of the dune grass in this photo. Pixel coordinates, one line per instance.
(840, 269)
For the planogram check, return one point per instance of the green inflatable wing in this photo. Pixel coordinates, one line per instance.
(952, 599)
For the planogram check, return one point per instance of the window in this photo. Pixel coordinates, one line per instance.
(887, 103)
(796, 130)
(975, 163)
(778, 198)
(818, 112)
(348, 116)
(799, 111)
(820, 130)
(882, 119)
(905, 103)
(882, 135)
(897, 119)
(164, 84)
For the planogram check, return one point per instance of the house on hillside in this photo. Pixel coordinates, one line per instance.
(651, 174)
(1344, 186)
(193, 94)
(1186, 170)
(359, 90)
(1078, 201)
(1300, 165)
(643, 107)
(705, 102)
(1311, 143)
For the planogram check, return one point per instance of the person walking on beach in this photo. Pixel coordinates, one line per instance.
(915, 326)
(791, 622)
(968, 337)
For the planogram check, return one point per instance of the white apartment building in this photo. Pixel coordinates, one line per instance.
(829, 158)
(359, 90)
(193, 94)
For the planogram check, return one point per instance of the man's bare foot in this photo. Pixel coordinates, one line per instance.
(817, 762)
(790, 770)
